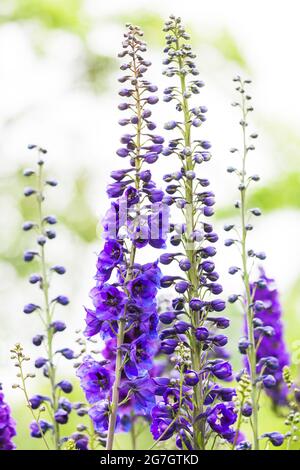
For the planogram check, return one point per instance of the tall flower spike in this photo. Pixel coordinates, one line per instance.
(7, 425)
(124, 296)
(44, 232)
(271, 355)
(247, 345)
(189, 407)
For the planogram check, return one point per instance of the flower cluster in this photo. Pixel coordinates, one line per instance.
(43, 228)
(193, 405)
(271, 355)
(7, 425)
(124, 298)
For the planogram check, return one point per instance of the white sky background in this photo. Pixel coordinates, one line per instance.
(80, 130)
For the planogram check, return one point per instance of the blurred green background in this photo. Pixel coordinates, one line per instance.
(58, 89)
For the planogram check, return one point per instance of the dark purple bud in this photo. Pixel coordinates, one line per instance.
(29, 256)
(208, 266)
(41, 240)
(28, 172)
(58, 326)
(123, 106)
(229, 242)
(65, 386)
(247, 410)
(215, 288)
(269, 381)
(218, 305)
(181, 327)
(62, 300)
(208, 211)
(259, 306)
(202, 333)
(233, 270)
(222, 370)
(152, 99)
(232, 298)
(67, 353)
(167, 317)
(196, 304)
(205, 145)
(168, 346)
(52, 183)
(122, 152)
(28, 226)
(220, 340)
(61, 416)
(29, 191)
(170, 125)
(256, 212)
(185, 264)
(37, 340)
(34, 278)
(36, 401)
(51, 234)
(145, 176)
(191, 378)
(228, 227)
(40, 362)
(29, 308)
(58, 269)
(182, 286)
(50, 219)
(276, 438)
(243, 345)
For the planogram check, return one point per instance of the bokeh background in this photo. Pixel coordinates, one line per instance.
(58, 88)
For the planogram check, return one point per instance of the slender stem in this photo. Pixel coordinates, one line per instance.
(45, 289)
(251, 352)
(24, 389)
(133, 433)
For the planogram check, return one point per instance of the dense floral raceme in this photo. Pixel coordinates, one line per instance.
(7, 425)
(194, 404)
(44, 233)
(124, 310)
(271, 355)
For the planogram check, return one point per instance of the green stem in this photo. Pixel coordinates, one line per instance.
(251, 352)
(45, 289)
(24, 389)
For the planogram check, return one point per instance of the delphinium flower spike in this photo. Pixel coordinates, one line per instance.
(193, 407)
(120, 387)
(259, 299)
(59, 407)
(7, 425)
(271, 351)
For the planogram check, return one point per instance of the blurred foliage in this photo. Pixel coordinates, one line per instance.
(280, 193)
(228, 47)
(95, 70)
(53, 14)
(77, 217)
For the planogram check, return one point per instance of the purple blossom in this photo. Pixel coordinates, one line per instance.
(271, 346)
(7, 425)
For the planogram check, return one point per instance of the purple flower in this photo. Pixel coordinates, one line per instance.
(7, 425)
(221, 417)
(271, 346)
(37, 430)
(99, 414)
(95, 379)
